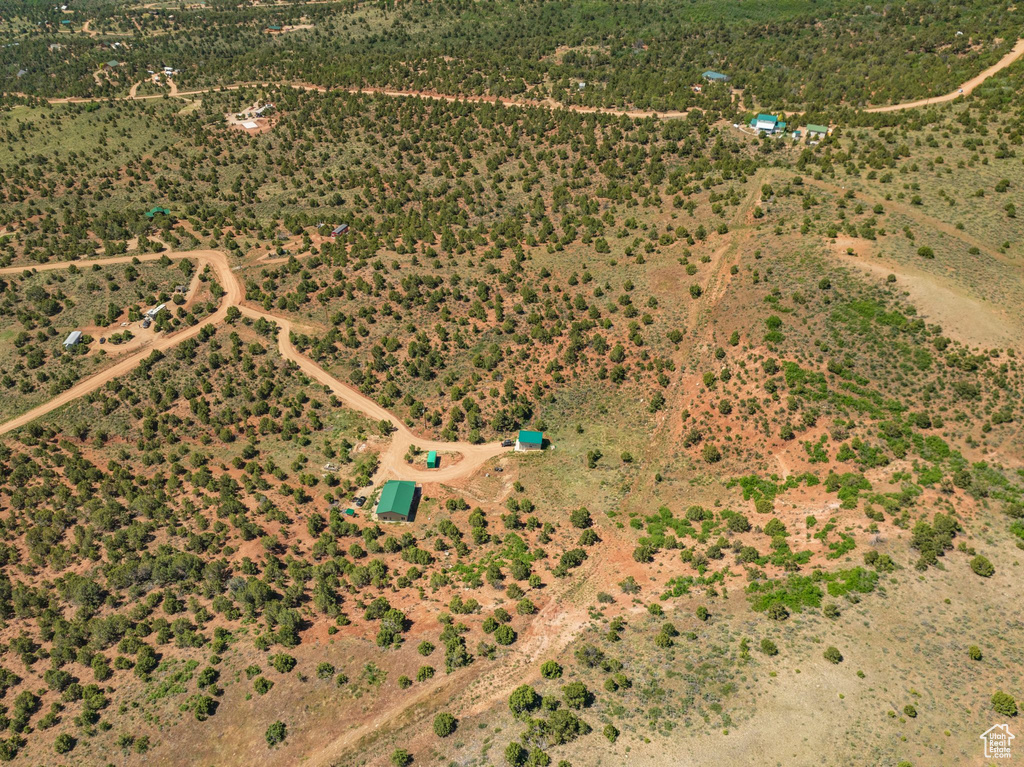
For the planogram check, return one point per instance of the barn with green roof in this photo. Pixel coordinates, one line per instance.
(397, 501)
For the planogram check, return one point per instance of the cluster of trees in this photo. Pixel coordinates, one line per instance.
(645, 56)
(43, 307)
(161, 550)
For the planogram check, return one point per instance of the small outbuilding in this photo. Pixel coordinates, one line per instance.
(817, 131)
(397, 501)
(715, 77)
(339, 230)
(73, 338)
(152, 313)
(529, 440)
(157, 212)
(433, 461)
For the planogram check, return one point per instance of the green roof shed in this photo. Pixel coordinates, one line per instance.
(396, 501)
(432, 460)
(530, 440)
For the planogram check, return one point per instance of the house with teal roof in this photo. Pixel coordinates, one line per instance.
(529, 440)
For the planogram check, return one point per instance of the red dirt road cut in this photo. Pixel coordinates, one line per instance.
(392, 460)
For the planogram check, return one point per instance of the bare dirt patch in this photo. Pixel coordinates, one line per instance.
(963, 318)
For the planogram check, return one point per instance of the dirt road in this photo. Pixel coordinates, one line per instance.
(392, 459)
(963, 90)
(402, 438)
(548, 103)
(161, 343)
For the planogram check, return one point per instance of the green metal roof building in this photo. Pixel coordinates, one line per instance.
(153, 213)
(396, 501)
(819, 129)
(716, 77)
(530, 440)
(432, 460)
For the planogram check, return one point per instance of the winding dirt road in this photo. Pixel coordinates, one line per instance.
(548, 103)
(964, 90)
(392, 459)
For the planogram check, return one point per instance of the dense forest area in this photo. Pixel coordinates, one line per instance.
(818, 55)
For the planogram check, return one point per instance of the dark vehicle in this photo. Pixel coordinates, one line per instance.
(360, 500)
(498, 468)
(507, 443)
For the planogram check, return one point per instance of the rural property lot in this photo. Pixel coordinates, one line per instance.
(532, 385)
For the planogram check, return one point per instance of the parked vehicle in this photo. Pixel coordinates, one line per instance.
(360, 500)
(507, 443)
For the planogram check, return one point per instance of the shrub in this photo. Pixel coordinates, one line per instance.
(401, 758)
(282, 662)
(702, 613)
(515, 754)
(551, 670)
(832, 655)
(203, 707)
(981, 566)
(525, 607)
(576, 695)
(581, 518)
(1004, 704)
(611, 732)
(444, 725)
(424, 673)
(768, 647)
(523, 700)
(590, 656)
(276, 733)
(63, 743)
(504, 635)
(325, 670)
(910, 711)
(629, 586)
(974, 652)
(425, 648)
(711, 453)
